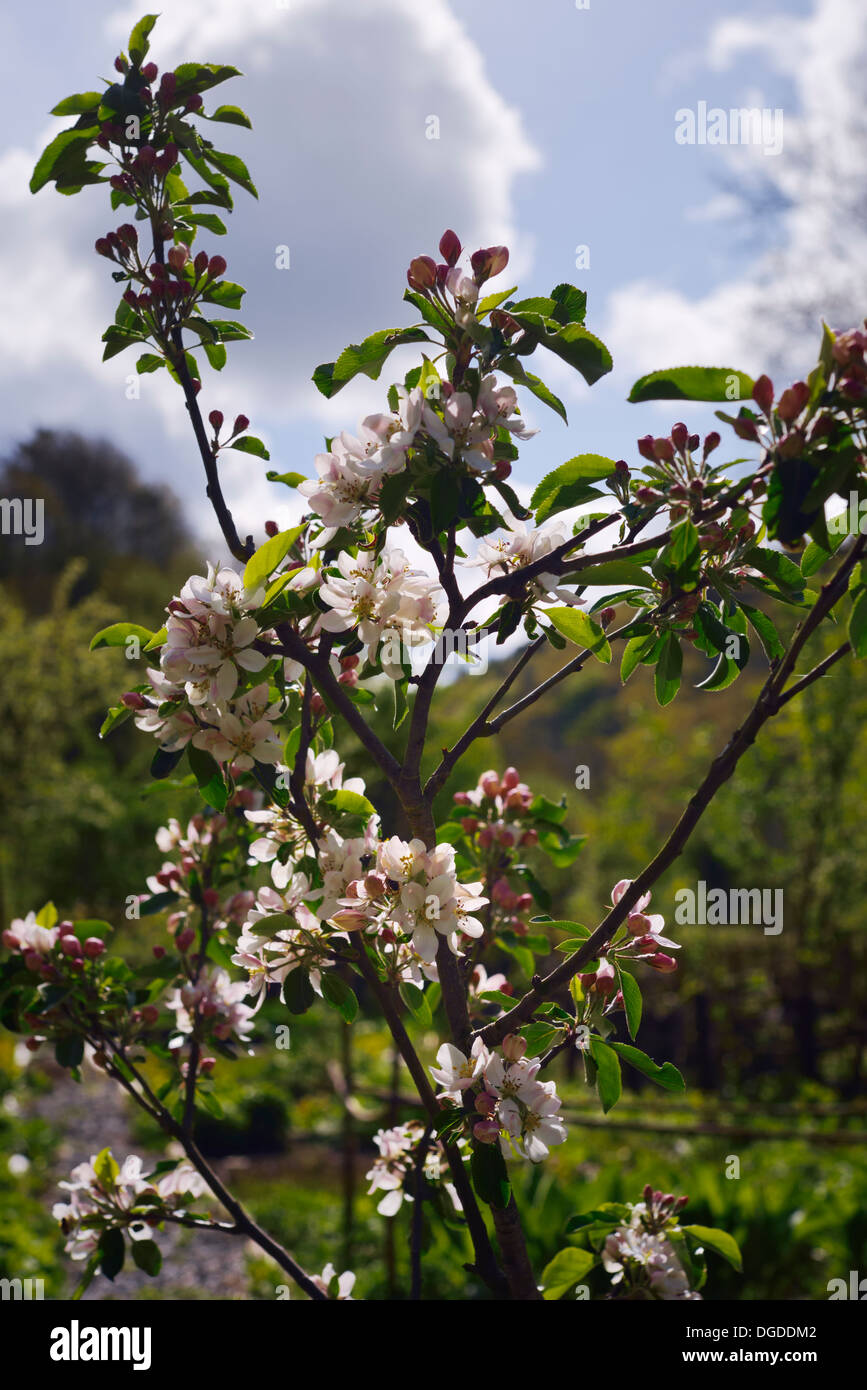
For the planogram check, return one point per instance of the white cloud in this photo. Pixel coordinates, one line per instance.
(768, 315)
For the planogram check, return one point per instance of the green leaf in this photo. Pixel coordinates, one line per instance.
(216, 355)
(608, 1072)
(776, 566)
(668, 671)
(158, 902)
(570, 484)
(631, 1001)
(262, 564)
(290, 479)
(193, 78)
(298, 993)
(636, 649)
(339, 995)
(765, 630)
(138, 40)
(149, 362)
(667, 1075)
(209, 777)
(225, 293)
(69, 1052)
(249, 444)
(579, 627)
(615, 572)
(233, 167)
(117, 634)
(230, 115)
(539, 1036)
(573, 343)
(368, 357)
(164, 763)
(54, 158)
(81, 104)
(344, 802)
(693, 384)
(415, 1001)
(858, 626)
(514, 368)
(158, 640)
(106, 1168)
(568, 1268)
(146, 1255)
(209, 220)
(111, 1250)
(489, 1174)
(717, 1240)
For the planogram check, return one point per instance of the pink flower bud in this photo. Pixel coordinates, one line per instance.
(450, 247)
(211, 897)
(486, 837)
(666, 965)
(763, 393)
(70, 946)
(133, 700)
(375, 885)
(490, 783)
(149, 1014)
(638, 924)
(422, 273)
(10, 941)
(33, 960)
(34, 1044)
(792, 402)
(207, 1065)
(645, 447)
(168, 83)
(350, 919)
(469, 824)
(511, 778)
(216, 419)
(530, 837)
(485, 1103)
(679, 435)
(159, 952)
(178, 257)
(505, 837)
(663, 449)
(194, 103)
(486, 1131)
(185, 939)
(93, 947)
(461, 799)
(241, 424)
(149, 72)
(514, 1047)
(607, 616)
(216, 267)
(524, 902)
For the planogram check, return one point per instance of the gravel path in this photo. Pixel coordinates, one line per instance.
(196, 1264)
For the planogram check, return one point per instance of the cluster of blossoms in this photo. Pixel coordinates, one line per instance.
(210, 636)
(414, 891)
(523, 545)
(512, 1105)
(47, 951)
(392, 1172)
(103, 1196)
(213, 996)
(284, 838)
(499, 825)
(641, 940)
(639, 1255)
(384, 600)
(442, 420)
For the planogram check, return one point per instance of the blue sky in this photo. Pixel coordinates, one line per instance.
(556, 130)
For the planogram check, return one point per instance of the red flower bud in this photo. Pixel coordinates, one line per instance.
(149, 1013)
(185, 939)
(120, 64)
(663, 449)
(159, 952)
(241, 424)
(710, 443)
(271, 528)
(792, 402)
(216, 267)
(102, 246)
(450, 247)
(168, 83)
(422, 273)
(10, 941)
(645, 448)
(149, 72)
(763, 393)
(679, 435)
(663, 963)
(93, 947)
(194, 103)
